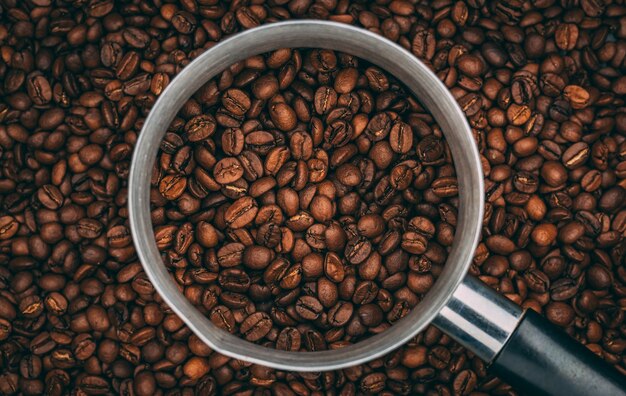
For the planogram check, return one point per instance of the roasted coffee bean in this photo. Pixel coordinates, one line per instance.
(566, 36)
(256, 257)
(325, 100)
(200, 127)
(465, 382)
(289, 339)
(222, 317)
(172, 186)
(357, 250)
(228, 170)
(560, 313)
(365, 293)
(373, 383)
(283, 116)
(241, 212)
(340, 314)
(256, 326)
(236, 102)
(613, 199)
(401, 138)
(8, 227)
(231, 254)
(50, 197)
(235, 280)
(308, 307)
(265, 87)
(370, 315)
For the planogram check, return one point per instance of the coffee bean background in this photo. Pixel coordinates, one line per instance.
(542, 83)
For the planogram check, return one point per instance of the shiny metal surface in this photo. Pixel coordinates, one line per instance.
(479, 318)
(389, 56)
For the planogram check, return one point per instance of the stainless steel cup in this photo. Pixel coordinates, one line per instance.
(489, 325)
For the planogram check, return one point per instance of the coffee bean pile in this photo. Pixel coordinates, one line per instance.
(302, 200)
(541, 81)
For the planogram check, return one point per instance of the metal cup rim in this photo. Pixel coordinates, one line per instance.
(377, 50)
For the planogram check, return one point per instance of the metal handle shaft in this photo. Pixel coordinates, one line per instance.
(479, 318)
(524, 348)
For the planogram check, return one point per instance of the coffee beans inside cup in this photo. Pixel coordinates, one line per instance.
(304, 200)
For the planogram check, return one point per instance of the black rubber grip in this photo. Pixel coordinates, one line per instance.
(541, 359)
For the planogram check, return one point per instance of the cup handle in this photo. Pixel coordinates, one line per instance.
(541, 359)
(522, 347)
